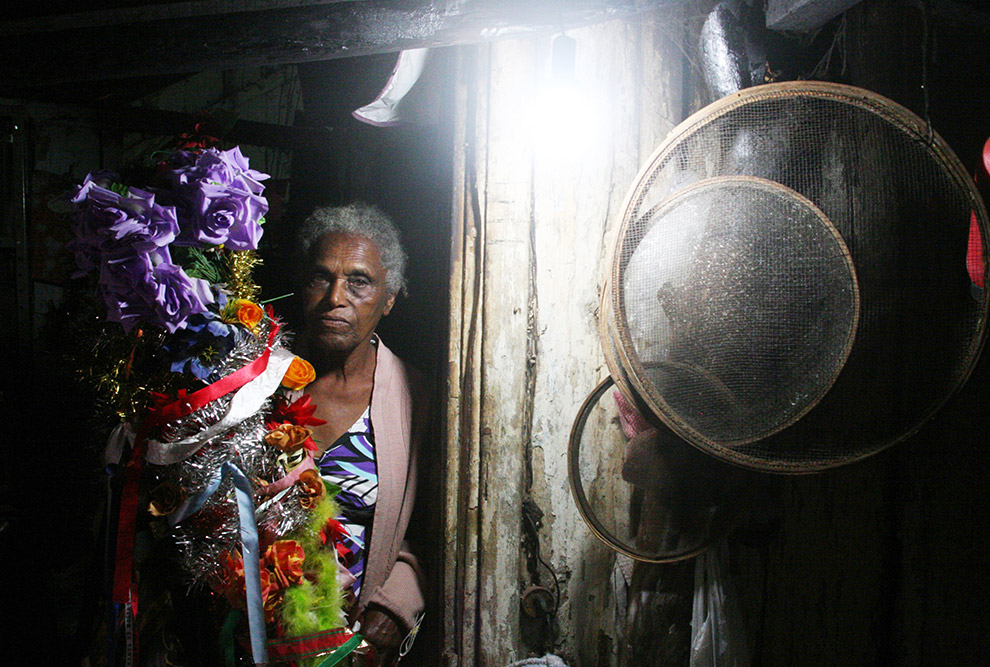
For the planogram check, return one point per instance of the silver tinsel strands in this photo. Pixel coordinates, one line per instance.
(205, 537)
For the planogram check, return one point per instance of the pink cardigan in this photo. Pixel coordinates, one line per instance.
(392, 578)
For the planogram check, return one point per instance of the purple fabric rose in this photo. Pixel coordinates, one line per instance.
(223, 168)
(148, 287)
(105, 220)
(127, 286)
(215, 199)
(94, 212)
(227, 215)
(178, 297)
(220, 199)
(150, 225)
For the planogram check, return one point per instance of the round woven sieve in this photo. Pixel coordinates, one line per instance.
(789, 287)
(740, 306)
(654, 497)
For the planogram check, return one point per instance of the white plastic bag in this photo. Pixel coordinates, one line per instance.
(718, 638)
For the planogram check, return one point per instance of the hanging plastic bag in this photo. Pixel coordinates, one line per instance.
(718, 638)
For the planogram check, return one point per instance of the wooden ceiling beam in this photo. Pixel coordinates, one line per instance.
(177, 9)
(164, 123)
(188, 37)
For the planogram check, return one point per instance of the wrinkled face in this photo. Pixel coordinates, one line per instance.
(344, 292)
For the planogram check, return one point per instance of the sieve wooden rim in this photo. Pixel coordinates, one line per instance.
(726, 525)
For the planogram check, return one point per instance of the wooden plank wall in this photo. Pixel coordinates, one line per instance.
(883, 562)
(530, 247)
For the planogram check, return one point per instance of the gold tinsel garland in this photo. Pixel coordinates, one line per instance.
(121, 393)
(240, 265)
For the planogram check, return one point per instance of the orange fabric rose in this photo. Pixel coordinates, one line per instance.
(310, 483)
(271, 601)
(300, 374)
(234, 588)
(269, 589)
(288, 437)
(233, 584)
(248, 313)
(284, 560)
(311, 488)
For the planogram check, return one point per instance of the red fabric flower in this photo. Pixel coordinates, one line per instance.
(334, 532)
(299, 412)
(200, 138)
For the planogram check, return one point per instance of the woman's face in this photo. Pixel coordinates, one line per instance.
(344, 292)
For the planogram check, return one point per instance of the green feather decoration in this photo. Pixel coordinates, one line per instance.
(315, 604)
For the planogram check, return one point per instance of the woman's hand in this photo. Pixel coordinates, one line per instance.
(383, 632)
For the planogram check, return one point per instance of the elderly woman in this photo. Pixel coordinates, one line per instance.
(374, 409)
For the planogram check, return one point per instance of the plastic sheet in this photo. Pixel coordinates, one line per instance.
(718, 637)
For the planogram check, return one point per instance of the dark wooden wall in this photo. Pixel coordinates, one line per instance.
(886, 562)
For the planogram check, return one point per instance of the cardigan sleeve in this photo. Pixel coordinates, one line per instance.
(402, 593)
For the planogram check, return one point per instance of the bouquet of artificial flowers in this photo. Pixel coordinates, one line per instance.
(216, 457)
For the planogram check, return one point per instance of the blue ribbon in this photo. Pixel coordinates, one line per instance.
(249, 548)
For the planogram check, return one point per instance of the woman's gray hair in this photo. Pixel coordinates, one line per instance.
(365, 220)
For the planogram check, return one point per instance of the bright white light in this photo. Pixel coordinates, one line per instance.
(567, 122)
(557, 121)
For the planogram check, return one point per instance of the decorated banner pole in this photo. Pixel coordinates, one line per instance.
(220, 460)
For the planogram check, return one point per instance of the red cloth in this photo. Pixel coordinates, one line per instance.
(294, 648)
(631, 420)
(974, 255)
